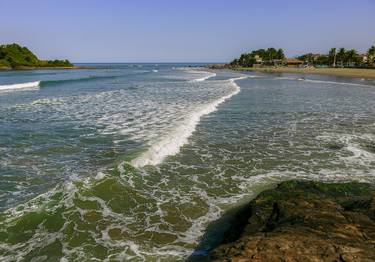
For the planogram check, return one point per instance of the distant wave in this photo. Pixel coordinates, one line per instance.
(203, 78)
(171, 144)
(19, 86)
(46, 83)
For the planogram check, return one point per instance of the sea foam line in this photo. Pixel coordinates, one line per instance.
(19, 86)
(204, 78)
(338, 83)
(171, 144)
(323, 81)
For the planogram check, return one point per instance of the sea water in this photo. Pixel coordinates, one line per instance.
(134, 161)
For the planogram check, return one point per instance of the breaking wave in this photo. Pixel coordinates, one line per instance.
(204, 78)
(46, 83)
(19, 86)
(171, 144)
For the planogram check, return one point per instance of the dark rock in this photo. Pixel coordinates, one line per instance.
(304, 221)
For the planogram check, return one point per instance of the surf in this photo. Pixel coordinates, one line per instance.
(20, 86)
(47, 83)
(171, 144)
(201, 79)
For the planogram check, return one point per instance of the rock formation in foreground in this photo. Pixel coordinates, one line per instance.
(304, 221)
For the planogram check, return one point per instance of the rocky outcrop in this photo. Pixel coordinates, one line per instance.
(304, 221)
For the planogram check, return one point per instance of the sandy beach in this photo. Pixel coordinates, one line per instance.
(348, 72)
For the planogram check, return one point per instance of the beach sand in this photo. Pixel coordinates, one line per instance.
(348, 72)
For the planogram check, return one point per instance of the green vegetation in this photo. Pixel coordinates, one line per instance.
(268, 56)
(14, 56)
(371, 55)
(335, 58)
(341, 58)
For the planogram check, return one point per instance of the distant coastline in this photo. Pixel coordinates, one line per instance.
(345, 72)
(16, 57)
(337, 62)
(4, 68)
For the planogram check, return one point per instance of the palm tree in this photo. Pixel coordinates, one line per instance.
(332, 55)
(341, 55)
(351, 56)
(371, 54)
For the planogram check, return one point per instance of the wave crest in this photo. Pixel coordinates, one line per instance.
(83, 79)
(20, 86)
(204, 78)
(171, 144)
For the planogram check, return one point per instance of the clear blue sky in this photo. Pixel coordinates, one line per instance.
(177, 30)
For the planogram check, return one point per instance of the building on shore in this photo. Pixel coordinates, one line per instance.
(363, 58)
(293, 62)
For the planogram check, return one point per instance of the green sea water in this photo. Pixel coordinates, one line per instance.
(133, 162)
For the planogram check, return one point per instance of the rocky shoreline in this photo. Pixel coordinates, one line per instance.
(303, 221)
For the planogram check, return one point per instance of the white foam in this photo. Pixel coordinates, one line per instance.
(19, 86)
(323, 82)
(337, 83)
(48, 101)
(171, 144)
(210, 75)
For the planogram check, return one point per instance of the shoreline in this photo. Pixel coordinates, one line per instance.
(343, 72)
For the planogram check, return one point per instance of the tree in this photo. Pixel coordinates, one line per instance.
(351, 57)
(280, 54)
(371, 55)
(322, 60)
(271, 53)
(247, 60)
(332, 56)
(268, 56)
(341, 56)
(16, 56)
(234, 63)
(308, 58)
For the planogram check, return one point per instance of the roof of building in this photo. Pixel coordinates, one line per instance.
(293, 60)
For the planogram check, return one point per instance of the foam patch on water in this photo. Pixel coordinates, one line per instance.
(351, 144)
(171, 144)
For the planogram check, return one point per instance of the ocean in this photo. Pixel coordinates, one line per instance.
(135, 161)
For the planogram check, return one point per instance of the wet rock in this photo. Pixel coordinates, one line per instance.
(304, 221)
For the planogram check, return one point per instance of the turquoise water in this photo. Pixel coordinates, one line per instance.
(132, 162)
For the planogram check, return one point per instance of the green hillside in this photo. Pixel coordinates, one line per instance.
(14, 56)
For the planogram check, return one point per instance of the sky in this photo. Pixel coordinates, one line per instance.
(183, 31)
